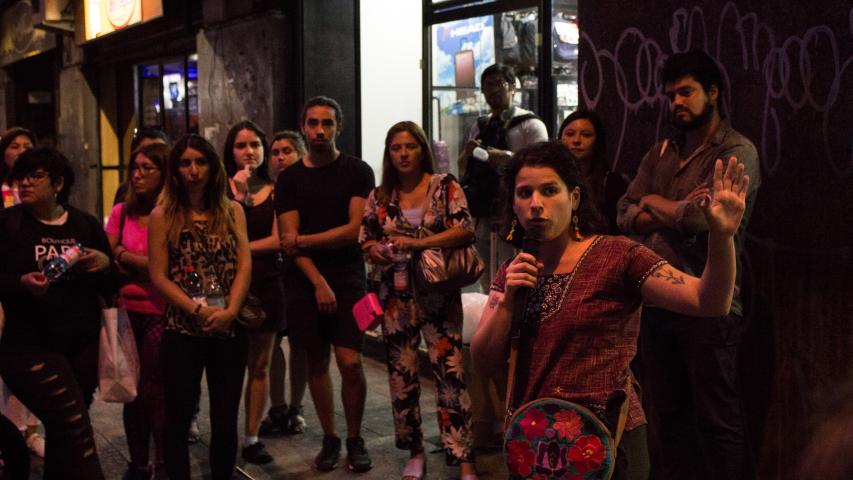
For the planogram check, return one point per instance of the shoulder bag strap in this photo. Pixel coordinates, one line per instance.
(623, 411)
(510, 379)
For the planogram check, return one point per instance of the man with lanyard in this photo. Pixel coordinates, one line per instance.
(508, 129)
(319, 202)
(689, 365)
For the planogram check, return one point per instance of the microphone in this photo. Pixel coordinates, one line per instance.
(531, 246)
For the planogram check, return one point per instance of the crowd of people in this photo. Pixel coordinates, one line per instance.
(218, 256)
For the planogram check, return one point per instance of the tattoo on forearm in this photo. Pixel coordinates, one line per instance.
(493, 301)
(668, 275)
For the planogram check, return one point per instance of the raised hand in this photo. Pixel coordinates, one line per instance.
(724, 208)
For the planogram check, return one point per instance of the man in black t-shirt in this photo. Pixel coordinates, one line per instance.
(319, 203)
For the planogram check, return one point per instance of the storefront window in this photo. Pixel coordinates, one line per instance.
(168, 95)
(565, 36)
(461, 50)
(149, 93)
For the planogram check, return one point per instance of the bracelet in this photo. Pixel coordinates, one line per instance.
(195, 312)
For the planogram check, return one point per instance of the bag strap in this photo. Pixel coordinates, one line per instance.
(434, 183)
(520, 119)
(623, 412)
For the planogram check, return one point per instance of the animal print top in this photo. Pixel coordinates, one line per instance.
(208, 255)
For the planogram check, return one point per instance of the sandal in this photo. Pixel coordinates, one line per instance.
(415, 469)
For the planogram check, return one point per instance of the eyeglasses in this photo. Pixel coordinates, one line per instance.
(36, 176)
(143, 169)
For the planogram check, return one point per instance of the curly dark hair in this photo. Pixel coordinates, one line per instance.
(701, 67)
(554, 155)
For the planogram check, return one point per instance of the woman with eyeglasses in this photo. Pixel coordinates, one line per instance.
(49, 347)
(127, 230)
(14, 142)
(199, 260)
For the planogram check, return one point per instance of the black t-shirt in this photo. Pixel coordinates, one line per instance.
(322, 196)
(68, 314)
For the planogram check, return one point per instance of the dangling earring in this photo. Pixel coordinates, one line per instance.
(576, 231)
(512, 229)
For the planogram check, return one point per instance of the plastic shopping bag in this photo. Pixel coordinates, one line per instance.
(118, 361)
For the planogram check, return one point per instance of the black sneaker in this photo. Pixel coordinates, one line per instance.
(275, 423)
(327, 459)
(257, 453)
(357, 458)
(295, 420)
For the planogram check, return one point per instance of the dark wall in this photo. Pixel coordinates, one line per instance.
(790, 68)
(330, 60)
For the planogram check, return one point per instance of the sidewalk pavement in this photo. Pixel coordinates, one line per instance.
(294, 454)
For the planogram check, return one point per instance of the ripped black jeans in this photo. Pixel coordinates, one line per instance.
(58, 388)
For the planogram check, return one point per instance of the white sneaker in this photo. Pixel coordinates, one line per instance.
(35, 443)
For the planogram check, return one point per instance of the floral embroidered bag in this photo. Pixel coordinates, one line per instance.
(556, 438)
(553, 438)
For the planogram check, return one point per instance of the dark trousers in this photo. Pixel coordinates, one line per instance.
(692, 396)
(184, 359)
(632, 456)
(57, 388)
(145, 417)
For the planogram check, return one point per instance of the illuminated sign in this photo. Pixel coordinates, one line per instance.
(18, 38)
(107, 16)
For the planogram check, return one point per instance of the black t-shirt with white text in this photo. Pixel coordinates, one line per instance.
(68, 314)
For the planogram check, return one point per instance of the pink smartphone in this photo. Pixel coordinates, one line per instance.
(367, 312)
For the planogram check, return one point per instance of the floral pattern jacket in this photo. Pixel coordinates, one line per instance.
(445, 209)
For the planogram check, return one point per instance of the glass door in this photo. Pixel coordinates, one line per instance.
(167, 93)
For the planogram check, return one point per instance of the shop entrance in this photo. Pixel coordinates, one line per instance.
(465, 37)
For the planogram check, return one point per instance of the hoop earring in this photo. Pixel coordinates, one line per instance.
(512, 229)
(576, 232)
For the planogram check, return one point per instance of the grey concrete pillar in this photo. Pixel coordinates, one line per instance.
(77, 128)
